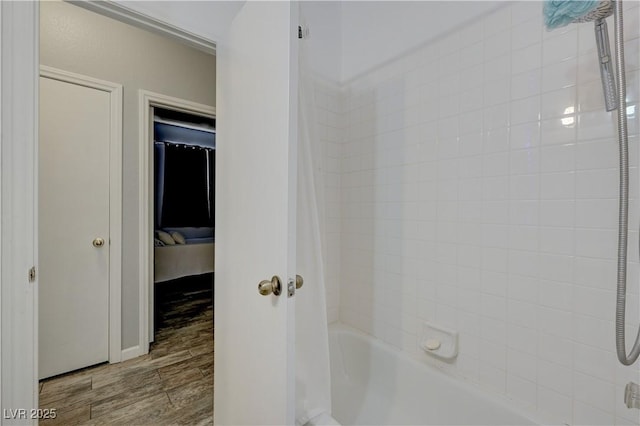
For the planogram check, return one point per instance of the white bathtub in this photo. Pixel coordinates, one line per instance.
(374, 384)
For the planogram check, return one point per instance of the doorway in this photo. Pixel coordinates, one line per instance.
(184, 160)
(73, 39)
(178, 260)
(19, 52)
(139, 61)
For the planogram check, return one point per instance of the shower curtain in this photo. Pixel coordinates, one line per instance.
(313, 380)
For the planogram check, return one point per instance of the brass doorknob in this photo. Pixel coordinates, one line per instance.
(299, 281)
(98, 242)
(267, 287)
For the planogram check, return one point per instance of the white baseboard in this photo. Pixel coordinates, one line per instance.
(132, 352)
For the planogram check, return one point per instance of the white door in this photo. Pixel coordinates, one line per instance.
(255, 215)
(74, 133)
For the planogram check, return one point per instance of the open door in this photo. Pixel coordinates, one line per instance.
(255, 216)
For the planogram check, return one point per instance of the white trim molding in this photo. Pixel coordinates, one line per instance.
(146, 101)
(18, 207)
(130, 353)
(115, 198)
(129, 16)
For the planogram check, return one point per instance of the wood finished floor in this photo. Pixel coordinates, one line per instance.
(173, 384)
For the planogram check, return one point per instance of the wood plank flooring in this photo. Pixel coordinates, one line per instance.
(173, 384)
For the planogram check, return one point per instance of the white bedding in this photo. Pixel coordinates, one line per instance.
(181, 260)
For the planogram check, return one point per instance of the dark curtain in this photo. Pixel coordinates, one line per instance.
(187, 190)
(158, 149)
(211, 156)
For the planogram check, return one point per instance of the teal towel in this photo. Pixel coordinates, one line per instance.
(560, 13)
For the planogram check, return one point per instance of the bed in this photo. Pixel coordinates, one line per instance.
(181, 260)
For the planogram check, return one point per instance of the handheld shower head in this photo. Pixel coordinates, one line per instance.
(604, 10)
(598, 16)
(606, 65)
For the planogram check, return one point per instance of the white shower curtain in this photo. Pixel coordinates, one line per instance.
(313, 382)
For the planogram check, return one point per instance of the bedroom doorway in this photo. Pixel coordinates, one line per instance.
(184, 216)
(178, 144)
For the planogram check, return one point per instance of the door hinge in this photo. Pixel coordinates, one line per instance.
(303, 32)
(32, 274)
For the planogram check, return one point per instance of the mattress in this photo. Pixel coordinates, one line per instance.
(200, 240)
(181, 260)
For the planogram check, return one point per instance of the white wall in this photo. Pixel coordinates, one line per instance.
(479, 191)
(323, 19)
(375, 32)
(76, 40)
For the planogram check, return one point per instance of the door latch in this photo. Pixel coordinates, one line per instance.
(291, 287)
(32, 274)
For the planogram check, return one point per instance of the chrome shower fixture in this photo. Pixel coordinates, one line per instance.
(605, 60)
(615, 98)
(606, 66)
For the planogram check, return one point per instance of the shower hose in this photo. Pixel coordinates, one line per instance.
(623, 211)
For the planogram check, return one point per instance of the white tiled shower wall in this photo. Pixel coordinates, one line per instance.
(478, 183)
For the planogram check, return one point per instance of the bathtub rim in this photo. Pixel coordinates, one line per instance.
(483, 393)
